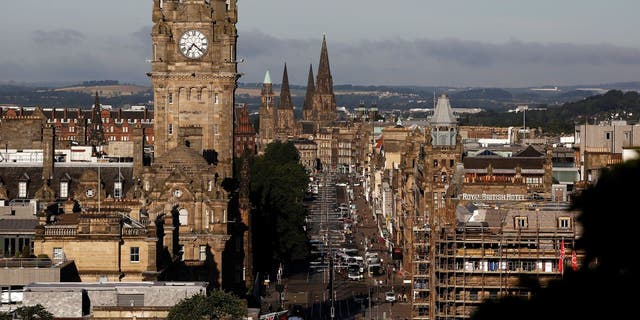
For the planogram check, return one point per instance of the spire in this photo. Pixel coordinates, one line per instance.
(285, 93)
(443, 114)
(96, 137)
(311, 88)
(325, 81)
(267, 78)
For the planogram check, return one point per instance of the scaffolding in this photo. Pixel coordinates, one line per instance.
(458, 267)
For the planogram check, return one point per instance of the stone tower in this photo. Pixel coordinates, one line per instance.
(96, 131)
(267, 114)
(307, 109)
(286, 122)
(324, 101)
(194, 75)
(442, 154)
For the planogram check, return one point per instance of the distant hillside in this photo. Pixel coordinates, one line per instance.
(79, 96)
(614, 104)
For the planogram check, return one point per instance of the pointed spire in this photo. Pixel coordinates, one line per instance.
(443, 114)
(267, 78)
(325, 81)
(285, 93)
(311, 88)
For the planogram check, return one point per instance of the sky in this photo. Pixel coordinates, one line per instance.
(486, 43)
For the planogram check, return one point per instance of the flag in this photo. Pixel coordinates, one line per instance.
(561, 260)
(574, 261)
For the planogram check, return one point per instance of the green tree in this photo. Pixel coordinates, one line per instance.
(278, 186)
(218, 305)
(33, 313)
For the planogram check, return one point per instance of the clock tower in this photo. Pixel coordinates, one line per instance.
(194, 75)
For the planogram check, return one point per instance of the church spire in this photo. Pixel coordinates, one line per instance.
(311, 88)
(285, 93)
(324, 83)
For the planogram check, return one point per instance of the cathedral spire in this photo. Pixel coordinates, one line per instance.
(324, 83)
(285, 93)
(311, 88)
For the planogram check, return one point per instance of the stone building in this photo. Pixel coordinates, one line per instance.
(268, 114)
(286, 124)
(121, 300)
(194, 75)
(167, 220)
(244, 133)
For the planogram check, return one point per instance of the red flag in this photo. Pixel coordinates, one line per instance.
(574, 261)
(561, 260)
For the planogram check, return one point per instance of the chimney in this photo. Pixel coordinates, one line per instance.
(48, 151)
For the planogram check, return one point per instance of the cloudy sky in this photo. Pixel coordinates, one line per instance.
(401, 42)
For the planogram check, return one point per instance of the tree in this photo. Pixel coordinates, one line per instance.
(602, 286)
(218, 305)
(31, 313)
(278, 186)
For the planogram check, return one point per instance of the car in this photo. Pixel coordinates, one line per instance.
(390, 296)
(355, 276)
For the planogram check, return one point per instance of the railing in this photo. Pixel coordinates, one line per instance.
(133, 232)
(66, 230)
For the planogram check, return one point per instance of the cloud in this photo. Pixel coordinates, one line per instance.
(60, 37)
(452, 62)
(442, 61)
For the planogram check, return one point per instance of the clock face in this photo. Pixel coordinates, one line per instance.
(177, 193)
(90, 193)
(193, 44)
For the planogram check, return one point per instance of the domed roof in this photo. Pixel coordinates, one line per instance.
(183, 157)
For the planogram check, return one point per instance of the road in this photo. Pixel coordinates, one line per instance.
(352, 297)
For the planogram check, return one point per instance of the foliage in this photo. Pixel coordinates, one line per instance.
(31, 313)
(562, 119)
(5, 316)
(278, 186)
(601, 288)
(218, 305)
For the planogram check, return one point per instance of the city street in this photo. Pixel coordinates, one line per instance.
(354, 299)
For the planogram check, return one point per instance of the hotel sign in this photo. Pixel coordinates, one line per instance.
(494, 197)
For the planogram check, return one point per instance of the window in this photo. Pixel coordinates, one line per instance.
(564, 222)
(170, 98)
(72, 129)
(435, 163)
(58, 254)
(216, 100)
(607, 135)
(64, 189)
(626, 135)
(181, 252)
(22, 189)
(203, 253)
(117, 190)
(451, 163)
(125, 129)
(134, 254)
(170, 128)
(521, 222)
(183, 217)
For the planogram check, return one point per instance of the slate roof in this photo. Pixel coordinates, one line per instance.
(21, 225)
(109, 174)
